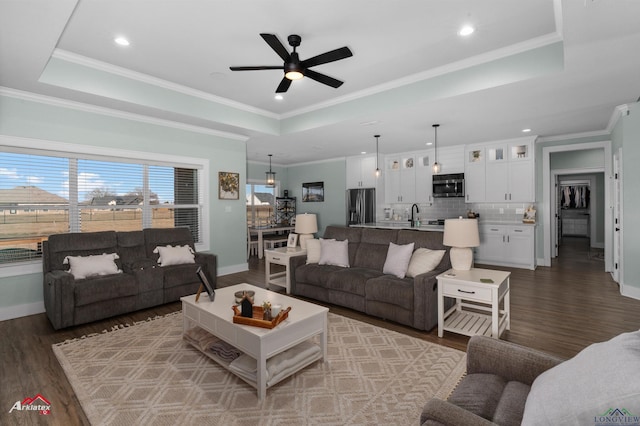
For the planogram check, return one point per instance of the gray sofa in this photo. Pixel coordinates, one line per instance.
(142, 283)
(364, 287)
(507, 384)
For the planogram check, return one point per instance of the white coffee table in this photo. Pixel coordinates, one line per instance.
(305, 321)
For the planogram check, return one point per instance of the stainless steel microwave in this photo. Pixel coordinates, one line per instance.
(448, 186)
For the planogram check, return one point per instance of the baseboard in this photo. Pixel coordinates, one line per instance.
(630, 291)
(11, 312)
(233, 269)
(597, 245)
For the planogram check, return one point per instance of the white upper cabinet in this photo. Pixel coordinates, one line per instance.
(361, 172)
(502, 171)
(510, 171)
(474, 174)
(400, 178)
(407, 177)
(424, 188)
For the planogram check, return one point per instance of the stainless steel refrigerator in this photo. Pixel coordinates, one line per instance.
(361, 206)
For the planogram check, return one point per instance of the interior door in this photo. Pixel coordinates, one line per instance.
(558, 216)
(617, 216)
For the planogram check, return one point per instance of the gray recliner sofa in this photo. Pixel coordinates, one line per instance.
(364, 287)
(142, 283)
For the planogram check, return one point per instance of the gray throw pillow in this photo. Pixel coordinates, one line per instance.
(397, 261)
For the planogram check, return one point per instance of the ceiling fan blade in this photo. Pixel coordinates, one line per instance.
(322, 78)
(284, 85)
(273, 41)
(334, 55)
(257, 68)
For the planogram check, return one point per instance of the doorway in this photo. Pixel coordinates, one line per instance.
(549, 178)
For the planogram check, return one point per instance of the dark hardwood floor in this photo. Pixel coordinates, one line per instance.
(560, 310)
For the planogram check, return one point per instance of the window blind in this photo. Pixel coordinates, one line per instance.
(42, 195)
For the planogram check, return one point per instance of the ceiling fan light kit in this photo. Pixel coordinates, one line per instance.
(293, 68)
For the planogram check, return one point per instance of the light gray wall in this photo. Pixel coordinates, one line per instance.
(28, 119)
(333, 173)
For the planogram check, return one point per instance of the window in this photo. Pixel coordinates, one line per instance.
(47, 192)
(260, 203)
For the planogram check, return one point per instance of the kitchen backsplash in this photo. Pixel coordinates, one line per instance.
(443, 208)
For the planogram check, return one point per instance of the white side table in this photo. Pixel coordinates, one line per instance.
(280, 256)
(478, 294)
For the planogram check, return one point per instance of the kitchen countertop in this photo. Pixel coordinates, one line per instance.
(400, 225)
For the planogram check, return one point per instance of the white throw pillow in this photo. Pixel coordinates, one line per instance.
(88, 266)
(424, 260)
(397, 261)
(603, 380)
(314, 249)
(177, 255)
(334, 253)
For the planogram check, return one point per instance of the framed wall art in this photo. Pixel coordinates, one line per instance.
(228, 186)
(313, 192)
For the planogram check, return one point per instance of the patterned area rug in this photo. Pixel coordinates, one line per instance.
(147, 374)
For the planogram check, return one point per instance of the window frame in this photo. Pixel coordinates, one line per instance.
(46, 147)
(253, 183)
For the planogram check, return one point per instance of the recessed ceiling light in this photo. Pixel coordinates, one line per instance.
(526, 130)
(278, 97)
(121, 41)
(466, 30)
(429, 143)
(363, 152)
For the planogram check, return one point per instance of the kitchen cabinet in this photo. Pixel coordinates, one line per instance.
(474, 174)
(502, 171)
(400, 178)
(361, 172)
(506, 245)
(509, 172)
(424, 181)
(407, 177)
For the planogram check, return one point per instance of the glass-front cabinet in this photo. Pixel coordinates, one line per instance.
(500, 171)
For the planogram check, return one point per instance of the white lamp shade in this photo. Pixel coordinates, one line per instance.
(306, 223)
(461, 233)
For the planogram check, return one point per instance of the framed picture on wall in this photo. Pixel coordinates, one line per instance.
(228, 186)
(313, 192)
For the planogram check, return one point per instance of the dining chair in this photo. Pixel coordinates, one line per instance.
(252, 244)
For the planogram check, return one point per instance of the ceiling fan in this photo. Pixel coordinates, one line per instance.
(294, 68)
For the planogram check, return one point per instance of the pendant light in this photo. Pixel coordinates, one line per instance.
(271, 175)
(377, 168)
(436, 166)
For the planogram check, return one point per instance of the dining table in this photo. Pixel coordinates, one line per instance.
(268, 229)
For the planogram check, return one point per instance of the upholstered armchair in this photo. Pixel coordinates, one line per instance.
(495, 388)
(508, 384)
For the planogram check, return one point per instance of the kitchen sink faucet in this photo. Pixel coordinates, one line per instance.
(413, 221)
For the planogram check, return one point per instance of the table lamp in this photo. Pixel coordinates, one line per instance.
(306, 226)
(461, 234)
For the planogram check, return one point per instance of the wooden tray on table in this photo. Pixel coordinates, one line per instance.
(257, 320)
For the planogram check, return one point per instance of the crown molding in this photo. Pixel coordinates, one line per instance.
(78, 106)
(557, 138)
(618, 112)
(154, 81)
(504, 52)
